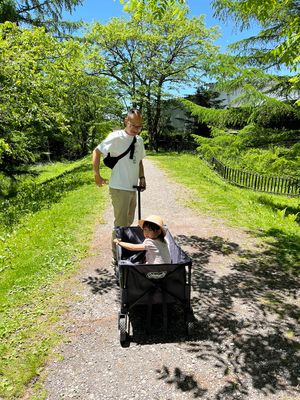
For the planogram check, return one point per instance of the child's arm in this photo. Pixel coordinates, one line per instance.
(130, 246)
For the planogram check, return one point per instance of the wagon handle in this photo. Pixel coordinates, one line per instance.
(139, 189)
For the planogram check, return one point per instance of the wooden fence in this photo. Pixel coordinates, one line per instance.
(262, 183)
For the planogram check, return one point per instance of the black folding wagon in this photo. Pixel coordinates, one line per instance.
(151, 284)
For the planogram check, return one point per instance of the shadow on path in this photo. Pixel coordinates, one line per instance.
(183, 382)
(247, 320)
(103, 283)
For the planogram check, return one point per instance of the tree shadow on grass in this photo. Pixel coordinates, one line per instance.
(248, 318)
(279, 206)
(37, 196)
(283, 252)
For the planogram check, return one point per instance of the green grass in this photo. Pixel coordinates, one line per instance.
(38, 173)
(38, 255)
(51, 170)
(272, 218)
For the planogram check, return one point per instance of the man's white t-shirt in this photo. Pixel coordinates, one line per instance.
(125, 173)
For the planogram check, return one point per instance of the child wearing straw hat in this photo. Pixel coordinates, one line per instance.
(155, 244)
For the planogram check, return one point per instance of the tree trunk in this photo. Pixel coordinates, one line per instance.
(149, 117)
(157, 117)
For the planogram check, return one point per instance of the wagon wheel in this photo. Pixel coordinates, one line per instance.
(190, 324)
(124, 336)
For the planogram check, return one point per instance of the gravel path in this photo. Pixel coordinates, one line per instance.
(241, 349)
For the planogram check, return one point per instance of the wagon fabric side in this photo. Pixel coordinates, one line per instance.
(150, 284)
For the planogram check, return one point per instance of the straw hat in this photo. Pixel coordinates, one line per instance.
(155, 219)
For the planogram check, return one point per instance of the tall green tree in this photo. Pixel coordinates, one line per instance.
(205, 96)
(48, 103)
(148, 57)
(46, 13)
(278, 41)
(279, 22)
(25, 99)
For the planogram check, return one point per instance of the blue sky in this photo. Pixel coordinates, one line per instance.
(103, 10)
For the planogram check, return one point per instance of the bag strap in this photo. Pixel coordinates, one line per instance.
(130, 149)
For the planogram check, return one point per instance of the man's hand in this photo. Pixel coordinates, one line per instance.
(142, 183)
(100, 181)
(96, 163)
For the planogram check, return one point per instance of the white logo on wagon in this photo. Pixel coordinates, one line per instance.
(156, 275)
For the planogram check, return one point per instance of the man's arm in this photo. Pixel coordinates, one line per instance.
(96, 167)
(141, 176)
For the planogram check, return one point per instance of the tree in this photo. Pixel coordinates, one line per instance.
(278, 42)
(26, 93)
(205, 96)
(47, 101)
(280, 23)
(232, 75)
(92, 107)
(47, 13)
(148, 57)
(262, 136)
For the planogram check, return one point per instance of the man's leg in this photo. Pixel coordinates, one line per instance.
(131, 210)
(124, 204)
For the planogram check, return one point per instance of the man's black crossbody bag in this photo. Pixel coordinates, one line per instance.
(110, 161)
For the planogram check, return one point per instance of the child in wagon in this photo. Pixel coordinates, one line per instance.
(155, 244)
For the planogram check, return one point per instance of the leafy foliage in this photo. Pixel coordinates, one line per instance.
(49, 104)
(147, 57)
(259, 138)
(157, 8)
(280, 23)
(278, 42)
(205, 96)
(39, 13)
(229, 118)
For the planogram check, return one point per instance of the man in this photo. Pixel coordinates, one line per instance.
(128, 172)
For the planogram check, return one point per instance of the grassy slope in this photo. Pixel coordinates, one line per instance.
(42, 251)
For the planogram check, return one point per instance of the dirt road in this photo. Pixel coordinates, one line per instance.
(242, 348)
